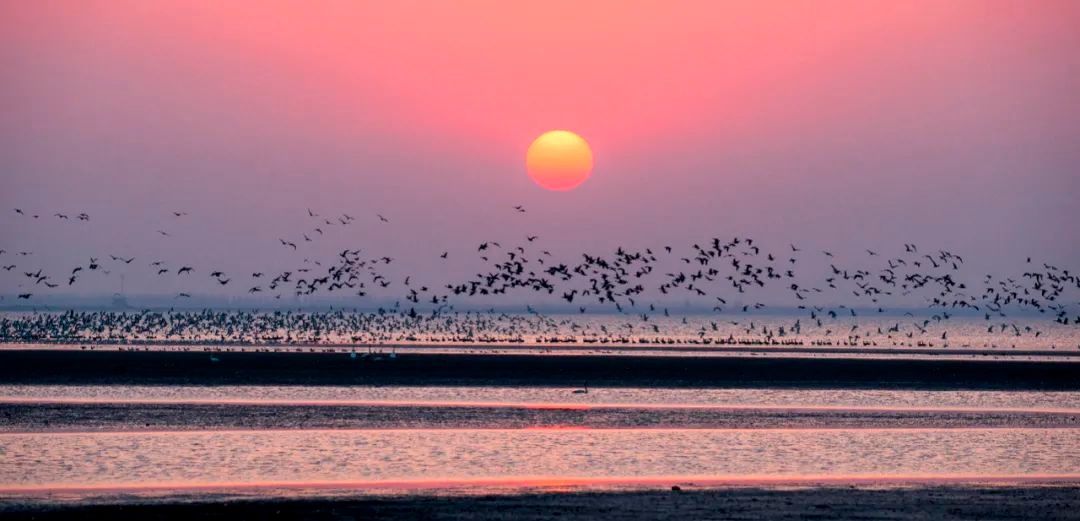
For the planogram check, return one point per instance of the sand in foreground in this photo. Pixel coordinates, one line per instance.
(1043, 502)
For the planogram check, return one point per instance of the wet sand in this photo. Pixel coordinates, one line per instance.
(929, 501)
(262, 368)
(49, 417)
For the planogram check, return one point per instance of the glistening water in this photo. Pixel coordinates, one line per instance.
(89, 441)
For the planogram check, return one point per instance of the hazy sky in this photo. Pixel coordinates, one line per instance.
(838, 125)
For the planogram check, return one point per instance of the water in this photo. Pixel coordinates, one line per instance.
(323, 457)
(890, 330)
(504, 396)
(84, 442)
(80, 442)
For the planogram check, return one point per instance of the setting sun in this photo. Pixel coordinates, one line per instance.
(559, 160)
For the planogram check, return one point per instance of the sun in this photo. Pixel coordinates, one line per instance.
(559, 160)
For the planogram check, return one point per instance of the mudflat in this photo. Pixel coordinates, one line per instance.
(973, 501)
(282, 368)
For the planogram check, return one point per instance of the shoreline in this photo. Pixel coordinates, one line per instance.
(38, 367)
(512, 486)
(861, 500)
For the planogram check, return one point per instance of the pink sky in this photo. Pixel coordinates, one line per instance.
(843, 124)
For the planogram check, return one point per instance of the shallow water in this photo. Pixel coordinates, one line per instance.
(311, 457)
(438, 395)
(119, 417)
(88, 441)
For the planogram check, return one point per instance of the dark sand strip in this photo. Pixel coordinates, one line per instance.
(1020, 501)
(247, 368)
(59, 417)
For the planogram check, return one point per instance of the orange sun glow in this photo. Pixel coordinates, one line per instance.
(559, 160)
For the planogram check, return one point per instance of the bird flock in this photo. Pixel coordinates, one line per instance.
(729, 277)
